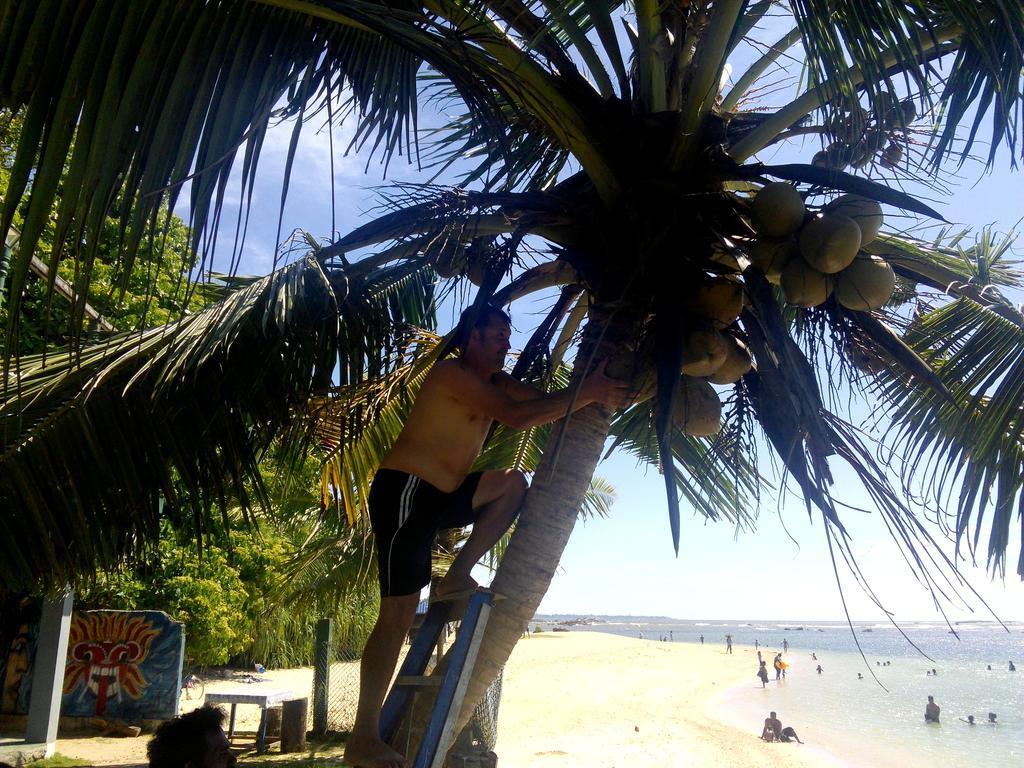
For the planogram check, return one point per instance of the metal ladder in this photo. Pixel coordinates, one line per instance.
(440, 731)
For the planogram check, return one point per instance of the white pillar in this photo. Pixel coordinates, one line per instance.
(48, 672)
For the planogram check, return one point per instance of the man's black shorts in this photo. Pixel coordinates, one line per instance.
(406, 513)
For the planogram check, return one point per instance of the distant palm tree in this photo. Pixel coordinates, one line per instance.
(602, 152)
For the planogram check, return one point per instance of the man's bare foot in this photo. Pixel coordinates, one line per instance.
(454, 585)
(373, 754)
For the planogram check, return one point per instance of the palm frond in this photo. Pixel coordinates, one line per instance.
(969, 451)
(97, 442)
(855, 46)
(717, 477)
(194, 403)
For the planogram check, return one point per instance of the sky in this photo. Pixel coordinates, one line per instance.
(625, 564)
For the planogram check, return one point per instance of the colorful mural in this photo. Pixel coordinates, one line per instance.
(121, 665)
(124, 665)
(19, 624)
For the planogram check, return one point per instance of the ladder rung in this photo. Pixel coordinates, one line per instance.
(419, 681)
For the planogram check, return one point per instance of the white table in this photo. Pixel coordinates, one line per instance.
(261, 697)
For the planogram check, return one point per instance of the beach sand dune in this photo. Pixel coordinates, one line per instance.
(605, 701)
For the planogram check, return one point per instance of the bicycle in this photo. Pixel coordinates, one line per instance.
(193, 687)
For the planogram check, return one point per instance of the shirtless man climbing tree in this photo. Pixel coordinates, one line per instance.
(424, 484)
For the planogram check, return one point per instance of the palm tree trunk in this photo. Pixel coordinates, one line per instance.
(549, 514)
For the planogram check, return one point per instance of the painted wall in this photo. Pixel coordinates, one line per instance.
(121, 665)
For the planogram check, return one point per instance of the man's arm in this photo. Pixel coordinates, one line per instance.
(517, 390)
(543, 407)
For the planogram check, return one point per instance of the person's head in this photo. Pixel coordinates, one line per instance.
(931, 700)
(771, 715)
(195, 740)
(970, 719)
(484, 337)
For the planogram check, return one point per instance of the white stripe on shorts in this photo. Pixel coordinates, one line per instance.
(404, 510)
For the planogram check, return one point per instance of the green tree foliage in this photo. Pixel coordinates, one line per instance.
(235, 598)
(153, 291)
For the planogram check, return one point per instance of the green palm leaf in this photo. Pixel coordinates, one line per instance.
(194, 404)
(969, 452)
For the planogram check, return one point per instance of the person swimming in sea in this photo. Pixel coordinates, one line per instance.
(931, 711)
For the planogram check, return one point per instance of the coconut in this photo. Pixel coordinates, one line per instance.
(830, 243)
(891, 156)
(478, 271)
(803, 285)
(635, 365)
(866, 284)
(704, 351)
(450, 261)
(737, 362)
(865, 211)
(696, 409)
(770, 256)
(777, 210)
(719, 299)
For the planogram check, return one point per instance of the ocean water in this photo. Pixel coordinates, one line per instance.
(868, 723)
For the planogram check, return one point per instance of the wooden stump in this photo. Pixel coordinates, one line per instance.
(274, 723)
(476, 758)
(294, 715)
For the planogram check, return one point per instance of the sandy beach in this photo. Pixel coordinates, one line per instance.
(585, 699)
(606, 701)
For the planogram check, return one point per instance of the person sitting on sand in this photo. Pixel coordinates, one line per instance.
(860, 676)
(424, 484)
(788, 734)
(931, 711)
(195, 740)
(762, 672)
(969, 720)
(772, 728)
(992, 718)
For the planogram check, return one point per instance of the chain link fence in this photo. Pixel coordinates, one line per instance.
(334, 706)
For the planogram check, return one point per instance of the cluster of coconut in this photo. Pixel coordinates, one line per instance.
(812, 256)
(712, 354)
(860, 139)
(454, 259)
